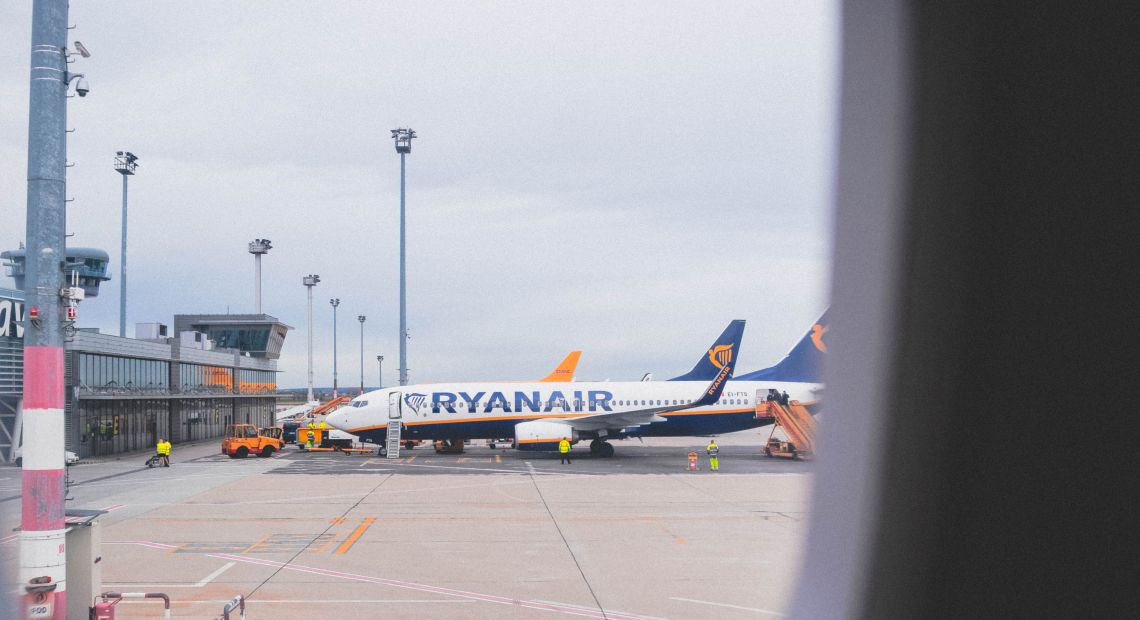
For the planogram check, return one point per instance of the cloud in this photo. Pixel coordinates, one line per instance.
(620, 178)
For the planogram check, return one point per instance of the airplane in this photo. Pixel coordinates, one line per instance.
(537, 416)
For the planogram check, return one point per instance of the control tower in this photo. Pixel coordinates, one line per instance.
(258, 335)
(89, 263)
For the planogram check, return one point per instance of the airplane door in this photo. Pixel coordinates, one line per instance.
(394, 405)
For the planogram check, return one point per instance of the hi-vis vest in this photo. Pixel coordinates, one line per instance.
(712, 449)
(564, 446)
(163, 447)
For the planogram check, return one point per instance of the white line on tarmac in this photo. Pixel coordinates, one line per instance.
(305, 601)
(759, 611)
(208, 578)
(608, 611)
(409, 585)
(509, 471)
(205, 580)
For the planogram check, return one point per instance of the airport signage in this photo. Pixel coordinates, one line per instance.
(11, 318)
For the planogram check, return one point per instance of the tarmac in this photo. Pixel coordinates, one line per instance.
(484, 534)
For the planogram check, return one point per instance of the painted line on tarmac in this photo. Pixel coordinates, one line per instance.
(595, 609)
(9, 538)
(357, 533)
(408, 585)
(112, 507)
(508, 471)
(205, 580)
(759, 611)
(281, 601)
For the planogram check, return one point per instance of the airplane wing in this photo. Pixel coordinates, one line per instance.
(640, 417)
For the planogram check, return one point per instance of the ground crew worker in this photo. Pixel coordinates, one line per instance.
(312, 431)
(324, 434)
(713, 450)
(564, 450)
(163, 449)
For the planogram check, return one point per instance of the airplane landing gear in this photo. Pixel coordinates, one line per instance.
(602, 448)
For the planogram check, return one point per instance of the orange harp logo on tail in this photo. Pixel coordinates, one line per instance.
(817, 332)
(720, 355)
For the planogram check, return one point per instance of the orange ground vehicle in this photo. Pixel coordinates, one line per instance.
(241, 440)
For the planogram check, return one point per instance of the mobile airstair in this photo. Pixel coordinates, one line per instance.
(796, 422)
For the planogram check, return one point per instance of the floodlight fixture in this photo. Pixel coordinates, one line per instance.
(403, 137)
(125, 162)
(260, 246)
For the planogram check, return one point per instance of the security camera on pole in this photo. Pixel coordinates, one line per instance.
(310, 281)
(43, 560)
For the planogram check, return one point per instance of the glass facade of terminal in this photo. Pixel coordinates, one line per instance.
(109, 374)
(124, 394)
(124, 403)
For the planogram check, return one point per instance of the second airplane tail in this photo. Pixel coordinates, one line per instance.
(724, 352)
(804, 363)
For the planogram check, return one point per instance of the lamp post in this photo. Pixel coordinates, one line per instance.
(380, 361)
(403, 137)
(334, 303)
(310, 281)
(43, 559)
(257, 247)
(125, 164)
(361, 318)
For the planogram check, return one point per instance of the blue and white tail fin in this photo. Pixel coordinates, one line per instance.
(804, 363)
(723, 353)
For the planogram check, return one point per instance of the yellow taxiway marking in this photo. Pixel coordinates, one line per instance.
(411, 458)
(336, 520)
(462, 459)
(348, 542)
(498, 459)
(256, 544)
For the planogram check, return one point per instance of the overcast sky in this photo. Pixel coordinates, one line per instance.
(623, 178)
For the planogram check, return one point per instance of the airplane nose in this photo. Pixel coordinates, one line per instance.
(337, 419)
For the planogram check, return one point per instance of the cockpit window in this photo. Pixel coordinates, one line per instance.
(359, 403)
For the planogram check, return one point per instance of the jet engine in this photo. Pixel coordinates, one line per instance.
(542, 435)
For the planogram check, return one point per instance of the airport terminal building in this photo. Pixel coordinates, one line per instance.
(122, 394)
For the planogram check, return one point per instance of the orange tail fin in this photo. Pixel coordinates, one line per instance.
(565, 370)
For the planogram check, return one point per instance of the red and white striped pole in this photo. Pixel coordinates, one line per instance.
(43, 550)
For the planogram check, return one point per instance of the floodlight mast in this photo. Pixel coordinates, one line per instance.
(403, 137)
(361, 318)
(125, 164)
(334, 303)
(258, 247)
(310, 281)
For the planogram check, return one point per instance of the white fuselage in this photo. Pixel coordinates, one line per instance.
(490, 410)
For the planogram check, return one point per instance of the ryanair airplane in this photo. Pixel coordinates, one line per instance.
(539, 415)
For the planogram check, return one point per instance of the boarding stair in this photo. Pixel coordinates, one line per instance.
(796, 421)
(330, 406)
(393, 440)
